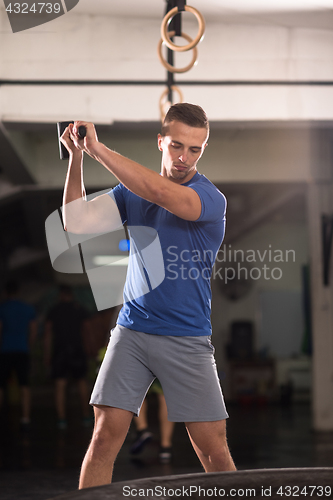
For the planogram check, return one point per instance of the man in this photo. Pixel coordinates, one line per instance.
(164, 333)
(18, 332)
(65, 339)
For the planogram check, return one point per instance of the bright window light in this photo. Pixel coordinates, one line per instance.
(110, 260)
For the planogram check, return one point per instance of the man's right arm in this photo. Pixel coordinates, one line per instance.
(100, 215)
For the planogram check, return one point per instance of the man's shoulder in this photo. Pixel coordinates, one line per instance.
(201, 181)
(213, 201)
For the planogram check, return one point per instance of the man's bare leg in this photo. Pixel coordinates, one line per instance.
(111, 427)
(209, 441)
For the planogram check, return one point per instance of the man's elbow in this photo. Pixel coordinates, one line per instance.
(73, 224)
(74, 229)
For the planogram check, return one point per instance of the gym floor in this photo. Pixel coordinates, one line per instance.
(45, 462)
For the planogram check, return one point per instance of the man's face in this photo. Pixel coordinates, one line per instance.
(182, 147)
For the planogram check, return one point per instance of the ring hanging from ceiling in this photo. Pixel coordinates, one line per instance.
(166, 35)
(168, 66)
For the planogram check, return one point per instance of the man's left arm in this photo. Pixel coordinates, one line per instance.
(177, 199)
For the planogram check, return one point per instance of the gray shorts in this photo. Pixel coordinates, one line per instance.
(185, 367)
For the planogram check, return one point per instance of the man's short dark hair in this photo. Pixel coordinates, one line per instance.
(187, 113)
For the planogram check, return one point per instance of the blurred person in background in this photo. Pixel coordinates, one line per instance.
(65, 352)
(143, 434)
(18, 332)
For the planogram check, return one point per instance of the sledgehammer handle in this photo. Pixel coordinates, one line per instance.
(61, 126)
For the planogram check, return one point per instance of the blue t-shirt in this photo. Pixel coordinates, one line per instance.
(15, 317)
(181, 304)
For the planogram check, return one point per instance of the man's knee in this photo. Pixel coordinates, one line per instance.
(217, 449)
(103, 444)
(109, 432)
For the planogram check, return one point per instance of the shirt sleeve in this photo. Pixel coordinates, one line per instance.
(118, 193)
(213, 202)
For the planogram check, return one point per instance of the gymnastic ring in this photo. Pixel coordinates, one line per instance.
(164, 93)
(165, 34)
(168, 66)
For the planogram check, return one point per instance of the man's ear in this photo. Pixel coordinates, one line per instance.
(159, 142)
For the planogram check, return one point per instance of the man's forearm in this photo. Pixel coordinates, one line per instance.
(139, 179)
(74, 191)
(74, 186)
